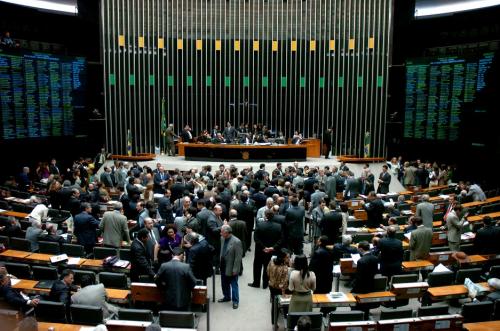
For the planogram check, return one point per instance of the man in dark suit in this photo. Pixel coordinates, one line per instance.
(177, 280)
(54, 169)
(154, 235)
(367, 268)
(327, 142)
(61, 289)
(239, 228)
(14, 298)
(322, 265)
(487, 239)
(331, 223)
(246, 213)
(160, 179)
(165, 207)
(391, 253)
(268, 240)
(374, 209)
(200, 256)
(384, 180)
(229, 133)
(106, 177)
(294, 217)
(186, 134)
(85, 228)
(177, 189)
(140, 259)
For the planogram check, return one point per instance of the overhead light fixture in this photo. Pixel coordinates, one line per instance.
(458, 6)
(46, 5)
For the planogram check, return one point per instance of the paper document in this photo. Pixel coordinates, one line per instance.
(336, 269)
(58, 258)
(441, 268)
(355, 258)
(408, 235)
(14, 281)
(336, 296)
(74, 260)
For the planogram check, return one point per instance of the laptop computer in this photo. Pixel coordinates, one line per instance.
(44, 284)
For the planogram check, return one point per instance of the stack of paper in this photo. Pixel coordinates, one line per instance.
(355, 258)
(336, 296)
(58, 258)
(441, 268)
(73, 261)
(121, 264)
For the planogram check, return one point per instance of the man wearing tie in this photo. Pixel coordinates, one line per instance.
(160, 179)
(451, 204)
(154, 235)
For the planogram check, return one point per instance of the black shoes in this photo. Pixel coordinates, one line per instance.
(223, 300)
(264, 286)
(235, 306)
(253, 285)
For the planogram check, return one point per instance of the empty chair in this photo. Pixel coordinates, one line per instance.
(177, 319)
(432, 310)
(49, 247)
(494, 272)
(4, 240)
(395, 314)
(490, 208)
(346, 316)
(467, 249)
(20, 244)
(316, 320)
(73, 250)
(44, 273)
(104, 252)
(477, 311)
(80, 273)
(440, 278)
(20, 270)
(84, 314)
(473, 274)
(496, 312)
(124, 254)
(408, 278)
(145, 315)
(50, 311)
(380, 283)
(355, 223)
(113, 280)
(359, 237)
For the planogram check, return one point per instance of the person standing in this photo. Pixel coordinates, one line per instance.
(384, 180)
(294, 218)
(374, 210)
(322, 265)
(327, 142)
(200, 256)
(277, 271)
(140, 259)
(455, 225)
(391, 253)
(169, 140)
(420, 241)
(114, 227)
(425, 210)
(231, 253)
(302, 283)
(85, 227)
(177, 280)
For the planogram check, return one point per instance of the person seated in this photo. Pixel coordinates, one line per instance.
(51, 235)
(11, 228)
(340, 250)
(280, 139)
(246, 139)
(218, 139)
(15, 299)
(93, 295)
(297, 138)
(7, 41)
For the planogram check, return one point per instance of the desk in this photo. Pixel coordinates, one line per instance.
(474, 260)
(28, 286)
(383, 296)
(483, 326)
(417, 265)
(440, 257)
(361, 326)
(122, 325)
(478, 218)
(38, 258)
(451, 291)
(14, 213)
(410, 324)
(452, 322)
(250, 153)
(409, 290)
(44, 326)
(481, 203)
(13, 254)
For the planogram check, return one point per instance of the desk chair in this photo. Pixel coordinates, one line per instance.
(80, 273)
(398, 279)
(359, 237)
(494, 272)
(432, 310)
(355, 223)
(440, 278)
(145, 315)
(124, 254)
(88, 315)
(402, 220)
(20, 270)
(473, 274)
(4, 240)
(439, 249)
(396, 314)
(380, 283)
(316, 320)
(44, 273)
(477, 311)
(346, 316)
(50, 311)
(73, 250)
(177, 319)
(496, 311)
(49, 247)
(104, 252)
(467, 249)
(20, 244)
(490, 208)
(113, 280)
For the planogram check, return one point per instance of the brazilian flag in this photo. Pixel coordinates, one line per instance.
(129, 143)
(367, 144)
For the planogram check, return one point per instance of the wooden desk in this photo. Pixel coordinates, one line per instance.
(38, 258)
(481, 203)
(384, 296)
(440, 257)
(13, 254)
(347, 266)
(417, 265)
(478, 218)
(122, 325)
(44, 326)
(145, 292)
(251, 153)
(14, 213)
(409, 290)
(411, 324)
(347, 326)
(483, 326)
(441, 322)
(474, 260)
(322, 300)
(439, 238)
(451, 291)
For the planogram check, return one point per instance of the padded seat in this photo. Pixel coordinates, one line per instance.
(177, 319)
(104, 252)
(477, 311)
(395, 314)
(145, 315)
(87, 315)
(113, 280)
(49, 247)
(433, 310)
(50, 311)
(346, 316)
(73, 250)
(45, 273)
(20, 270)
(316, 320)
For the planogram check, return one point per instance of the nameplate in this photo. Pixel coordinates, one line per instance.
(354, 328)
(443, 324)
(443, 257)
(442, 236)
(401, 327)
(58, 258)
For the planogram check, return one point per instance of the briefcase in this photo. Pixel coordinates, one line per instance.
(199, 295)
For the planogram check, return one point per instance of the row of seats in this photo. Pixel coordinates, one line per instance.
(25, 271)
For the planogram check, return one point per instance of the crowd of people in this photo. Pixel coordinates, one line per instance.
(186, 223)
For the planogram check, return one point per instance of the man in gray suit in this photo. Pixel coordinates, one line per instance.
(231, 253)
(114, 227)
(455, 225)
(352, 187)
(177, 280)
(331, 185)
(425, 210)
(420, 241)
(93, 295)
(154, 236)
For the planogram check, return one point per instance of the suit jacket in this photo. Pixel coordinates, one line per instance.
(165, 209)
(240, 231)
(60, 292)
(185, 136)
(203, 216)
(150, 244)
(374, 210)
(114, 228)
(93, 295)
(294, 217)
(322, 265)
(157, 179)
(246, 213)
(85, 227)
(200, 258)
(454, 226)
(331, 187)
(13, 297)
(487, 240)
(178, 281)
(366, 270)
(330, 225)
(420, 243)
(352, 187)
(425, 210)
(140, 261)
(391, 256)
(316, 198)
(106, 179)
(231, 258)
(177, 191)
(383, 187)
(268, 234)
